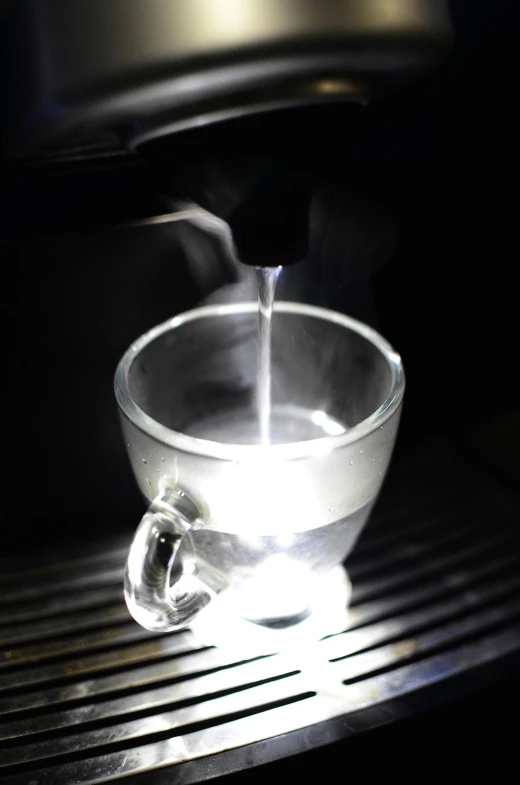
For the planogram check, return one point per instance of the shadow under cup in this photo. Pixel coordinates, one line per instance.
(239, 534)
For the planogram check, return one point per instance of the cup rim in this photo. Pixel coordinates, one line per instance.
(242, 452)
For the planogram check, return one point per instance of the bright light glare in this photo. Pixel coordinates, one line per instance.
(220, 625)
(330, 426)
(318, 417)
(279, 587)
(285, 540)
(266, 493)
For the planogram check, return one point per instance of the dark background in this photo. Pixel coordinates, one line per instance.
(424, 248)
(439, 162)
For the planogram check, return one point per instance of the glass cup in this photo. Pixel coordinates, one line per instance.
(244, 541)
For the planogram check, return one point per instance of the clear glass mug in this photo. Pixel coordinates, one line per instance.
(244, 541)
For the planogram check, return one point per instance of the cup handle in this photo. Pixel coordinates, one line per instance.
(151, 600)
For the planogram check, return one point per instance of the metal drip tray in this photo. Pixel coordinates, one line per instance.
(87, 696)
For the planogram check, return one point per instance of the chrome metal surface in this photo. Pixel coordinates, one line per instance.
(87, 696)
(153, 67)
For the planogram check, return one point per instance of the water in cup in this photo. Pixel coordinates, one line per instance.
(274, 577)
(271, 580)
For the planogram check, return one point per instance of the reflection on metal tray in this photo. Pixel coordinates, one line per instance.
(88, 696)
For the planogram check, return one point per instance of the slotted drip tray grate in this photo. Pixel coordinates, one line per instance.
(87, 696)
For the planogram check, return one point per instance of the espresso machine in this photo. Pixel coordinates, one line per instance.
(202, 90)
(152, 152)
